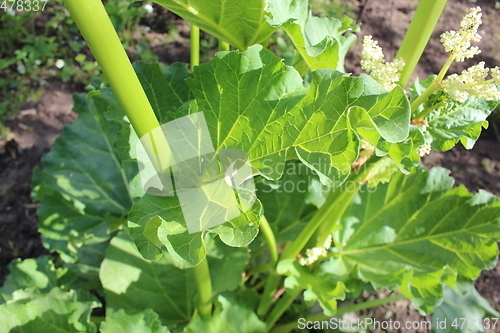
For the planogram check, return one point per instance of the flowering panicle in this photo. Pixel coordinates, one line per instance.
(473, 82)
(373, 61)
(458, 43)
(424, 149)
(312, 255)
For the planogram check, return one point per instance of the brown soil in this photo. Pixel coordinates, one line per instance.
(36, 126)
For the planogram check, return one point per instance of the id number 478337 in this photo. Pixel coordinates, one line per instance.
(23, 5)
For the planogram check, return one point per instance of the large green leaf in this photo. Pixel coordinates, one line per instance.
(321, 42)
(285, 202)
(318, 286)
(416, 233)
(146, 321)
(231, 315)
(464, 310)
(133, 284)
(34, 276)
(56, 311)
(452, 121)
(154, 221)
(83, 187)
(459, 122)
(240, 23)
(35, 298)
(252, 102)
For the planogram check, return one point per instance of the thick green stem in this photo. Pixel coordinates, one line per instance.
(274, 279)
(195, 46)
(422, 98)
(224, 46)
(435, 85)
(341, 204)
(204, 287)
(268, 234)
(282, 305)
(334, 207)
(266, 299)
(97, 29)
(418, 35)
(102, 39)
(341, 311)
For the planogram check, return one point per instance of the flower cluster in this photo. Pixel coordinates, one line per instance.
(312, 255)
(458, 43)
(424, 149)
(473, 82)
(373, 61)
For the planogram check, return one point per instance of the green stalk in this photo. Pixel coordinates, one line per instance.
(273, 279)
(102, 39)
(99, 33)
(201, 271)
(326, 216)
(268, 234)
(195, 46)
(322, 223)
(334, 207)
(204, 287)
(341, 311)
(282, 305)
(418, 35)
(266, 299)
(224, 46)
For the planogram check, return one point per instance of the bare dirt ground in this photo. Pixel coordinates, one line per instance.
(35, 127)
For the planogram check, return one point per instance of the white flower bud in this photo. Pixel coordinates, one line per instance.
(458, 43)
(60, 63)
(473, 82)
(373, 61)
(423, 150)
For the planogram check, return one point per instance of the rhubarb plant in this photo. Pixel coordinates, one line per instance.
(200, 199)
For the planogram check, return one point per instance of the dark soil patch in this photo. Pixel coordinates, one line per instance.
(33, 132)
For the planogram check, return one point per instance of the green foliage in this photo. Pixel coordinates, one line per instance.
(133, 283)
(35, 298)
(466, 310)
(321, 42)
(416, 233)
(230, 313)
(313, 122)
(146, 321)
(451, 121)
(241, 24)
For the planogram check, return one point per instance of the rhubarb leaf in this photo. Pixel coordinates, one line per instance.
(66, 311)
(231, 314)
(146, 321)
(415, 233)
(451, 121)
(240, 23)
(251, 102)
(134, 284)
(467, 308)
(84, 185)
(322, 42)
